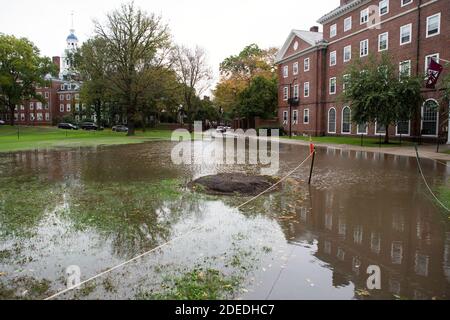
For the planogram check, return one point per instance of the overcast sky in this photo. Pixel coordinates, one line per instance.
(222, 28)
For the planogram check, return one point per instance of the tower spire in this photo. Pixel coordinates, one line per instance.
(72, 29)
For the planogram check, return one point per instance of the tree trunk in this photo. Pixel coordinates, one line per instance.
(11, 111)
(131, 129)
(386, 137)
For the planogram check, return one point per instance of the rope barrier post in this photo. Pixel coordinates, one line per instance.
(313, 151)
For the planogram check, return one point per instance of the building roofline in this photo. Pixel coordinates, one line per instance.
(297, 33)
(341, 10)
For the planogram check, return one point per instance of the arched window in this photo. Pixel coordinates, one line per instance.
(430, 116)
(346, 120)
(332, 120)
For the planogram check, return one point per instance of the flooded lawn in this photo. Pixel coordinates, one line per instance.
(97, 207)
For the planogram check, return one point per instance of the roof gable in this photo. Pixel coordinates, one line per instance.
(297, 41)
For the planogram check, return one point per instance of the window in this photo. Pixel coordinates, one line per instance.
(364, 48)
(39, 117)
(402, 128)
(333, 58)
(295, 117)
(384, 7)
(295, 68)
(306, 116)
(62, 87)
(383, 41)
(345, 80)
(347, 24)
(32, 117)
(68, 97)
(47, 116)
(61, 108)
(296, 91)
(22, 107)
(285, 71)
(333, 31)
(406, 2)
(22, 117)
(405, 34)
(434, 25)
(77, 107)
(332, 120)
(396, 252)
(333, 85)
(405, 68)
(285, 93)
(362, 128)
(380, 129)
(68, 107)
(347, 53)
(306, 89)
(285, 117)
(428, 58)
(364, 16)
(46, 95)
(61, 97)
(38, 105)
(306, 65)
(346, 121)
(31, 105)
(430, 118)
(77, 96)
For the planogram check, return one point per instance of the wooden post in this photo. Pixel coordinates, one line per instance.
(312, 163)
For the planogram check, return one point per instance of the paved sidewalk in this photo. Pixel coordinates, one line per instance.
(425, 151)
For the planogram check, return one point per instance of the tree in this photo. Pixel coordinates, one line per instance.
(135, 42)
(193, 74)
(259, 99)
(238, 71)
(377, 93)
(92, 62)
(21, 69)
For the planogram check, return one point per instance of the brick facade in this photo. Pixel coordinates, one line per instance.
(415, 50)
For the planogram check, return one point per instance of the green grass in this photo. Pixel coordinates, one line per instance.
(447, 152)
(354, 141)
(31, 138)
(444, 195)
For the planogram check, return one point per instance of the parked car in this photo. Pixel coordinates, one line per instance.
(120, 128)
(67, 126)
(221, 129)
(90, 126)
(2, 122)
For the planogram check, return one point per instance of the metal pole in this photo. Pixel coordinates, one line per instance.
(312, 165)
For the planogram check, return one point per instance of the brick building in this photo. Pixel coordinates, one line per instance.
(61, 95)
(312, 64)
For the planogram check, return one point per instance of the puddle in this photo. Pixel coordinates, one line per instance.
(97, 207)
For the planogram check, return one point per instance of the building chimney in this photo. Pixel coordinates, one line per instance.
(344, 2)
(57, 62)
(314, 29)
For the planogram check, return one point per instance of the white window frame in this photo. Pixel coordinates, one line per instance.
(379, 41)
(333, 54)
(439, 25)
(295, 68)
(306, 64)
(285, 93)
(405, 2)
(349, 48)
(400, 64)
(409, 26)
(364, 13)
(285, 117)
(333, 30)
(47, 116)
(296, 93)
(380, 7)
(348, 24)
(328, 121)
(430, 56)
(61, 107)
(294, 116)
(305, 113)
(22, 117)
(68, 107)
(376, 131)
(361, 43)
(344, 76)
(285, 71)
(404, 135)
(342, 120)
(335, 86)
(306, 89)
(437, 118)
(46, 95)
(362, 133)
